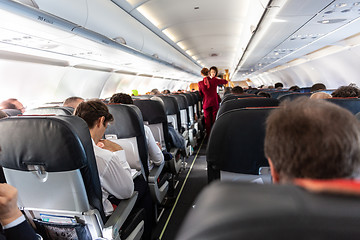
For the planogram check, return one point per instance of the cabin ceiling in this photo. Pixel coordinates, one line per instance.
(210, 32)
(246, 37)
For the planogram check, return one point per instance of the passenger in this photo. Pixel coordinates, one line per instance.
(237, 90)
(12, 103)
(346, 91)
(264, 94)
(3, 114)
(154, 91)
(279, 85)
(317, 87)
(227, 90)
(320, 95)
(155, 154)
(166, 91)
(294, 88)
(12, 220)
(312, 139)
(73, 102)
(207, 89)
(114, 171)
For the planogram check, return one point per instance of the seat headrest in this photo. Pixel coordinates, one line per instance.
(50, 110)
(351, 104)
(152, 111)
(247, 102)
(181, 101)
(189, 98)
(171, 105)
(127, 122)
(12, 112)
(236, 142)
(54, 142)
(292, 96)
(236, 96)
(235, 210)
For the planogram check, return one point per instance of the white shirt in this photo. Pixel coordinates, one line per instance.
(115, 175)
(155, 154)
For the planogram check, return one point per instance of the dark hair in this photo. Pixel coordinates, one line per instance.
(237, 90)
(346, 91)
(294, 88)
(312, 139)
(92, 110)
(317, 87)
(278, 85)
(205, 71)
(264, 94)
(121, 98)
(8, 104)
(215, 69)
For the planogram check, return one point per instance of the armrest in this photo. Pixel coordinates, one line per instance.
(118, 217)
(174, 151)
(155, 172)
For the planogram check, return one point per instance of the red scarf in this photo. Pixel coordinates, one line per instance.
(206, 82)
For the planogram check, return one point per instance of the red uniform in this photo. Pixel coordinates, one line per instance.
(207, 89)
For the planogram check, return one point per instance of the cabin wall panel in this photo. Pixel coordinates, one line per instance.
(31, 83)
(81, 82)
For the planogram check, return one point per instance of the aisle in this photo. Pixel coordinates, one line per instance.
(196, 180)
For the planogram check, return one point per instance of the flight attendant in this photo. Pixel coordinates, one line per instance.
(208, 90)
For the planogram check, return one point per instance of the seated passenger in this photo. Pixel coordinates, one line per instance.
(294, 88)
(312, 139)
(155, 154)
(279, 85)
(12, 103)
(114, 171)
(73, 102)
(237, 90)
(12, 220)
(347, 91)
(317, 87)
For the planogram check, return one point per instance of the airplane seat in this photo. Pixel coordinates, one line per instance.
(351, 104)
(236, 96)
(292, 96)
(154, 116)
(191, 119)
(228, 210)
(12, 112)
(277, 94)
(185, 123)
(245, 103)
(197, 116)
(200, 102)
(50, 160)
(127, 130)
(172, 111)
(50, 111)
(235, 149)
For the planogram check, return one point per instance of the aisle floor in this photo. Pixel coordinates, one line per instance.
(172, 218)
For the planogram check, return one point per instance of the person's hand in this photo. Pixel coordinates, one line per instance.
(9, 210)
(109, 145)
(158, 144)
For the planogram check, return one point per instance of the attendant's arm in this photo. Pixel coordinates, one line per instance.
(220, 81)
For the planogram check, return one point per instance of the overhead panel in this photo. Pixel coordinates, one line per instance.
(302, 27)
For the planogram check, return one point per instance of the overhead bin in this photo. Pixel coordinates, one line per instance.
(107, 19)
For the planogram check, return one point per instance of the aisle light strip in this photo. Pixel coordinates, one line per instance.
(182, 187)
